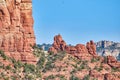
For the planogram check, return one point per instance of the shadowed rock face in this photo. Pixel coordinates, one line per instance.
(78, 50)
(16, 29)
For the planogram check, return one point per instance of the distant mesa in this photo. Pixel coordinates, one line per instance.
(108, 48)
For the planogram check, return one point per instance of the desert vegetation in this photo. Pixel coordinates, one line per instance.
(50, 66)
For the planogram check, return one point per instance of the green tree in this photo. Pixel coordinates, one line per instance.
(29, 68)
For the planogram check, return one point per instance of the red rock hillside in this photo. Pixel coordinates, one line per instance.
(81, 51)
(16, 29)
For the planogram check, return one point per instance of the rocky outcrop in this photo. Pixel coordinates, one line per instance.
(80, 50)
(110, 76)
(91, 47)
(16, 29)
(113, 62)
(58, 45)
(103, 48)
(84, 52)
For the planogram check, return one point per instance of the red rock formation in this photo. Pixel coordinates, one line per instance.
(58, 45)
(110, 76)
(96, 74)
(79, 50)
(16, 29)
(91, 47)
(111, 59)
(113, 62)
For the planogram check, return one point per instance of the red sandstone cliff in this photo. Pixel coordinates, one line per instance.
(16, 29)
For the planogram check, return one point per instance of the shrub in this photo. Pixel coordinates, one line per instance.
(29, 68)
(74, 77)
(51, 53)
(59, 56)
(29, 77)
(3, 55)
(99, 68)
(37, 51)
(8, 67)
(50, 77)
(17, 64)
(6, 78)
(82, 66)
(38, 74)
(87, 77)
(94, 79)
(62, 77)
(49, 65)
(114, 69)
(13, 78)
(41, 62)
(94, 60)
(73, 71)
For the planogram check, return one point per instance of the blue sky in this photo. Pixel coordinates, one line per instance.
(78, 21)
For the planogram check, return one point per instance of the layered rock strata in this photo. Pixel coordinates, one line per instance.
(16, 29)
